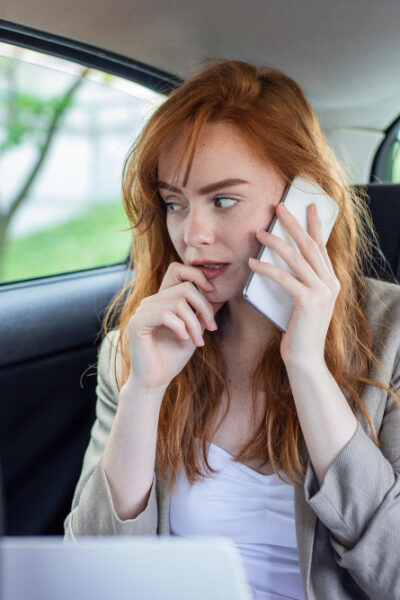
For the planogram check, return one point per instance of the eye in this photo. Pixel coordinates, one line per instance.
(167, 205)
(225, 198)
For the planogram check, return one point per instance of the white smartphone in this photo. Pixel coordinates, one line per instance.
(267, 296)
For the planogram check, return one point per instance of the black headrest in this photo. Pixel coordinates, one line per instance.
(384, 204)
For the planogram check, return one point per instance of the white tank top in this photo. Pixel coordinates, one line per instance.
(255, 511)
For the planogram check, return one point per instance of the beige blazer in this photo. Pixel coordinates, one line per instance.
(348, 530)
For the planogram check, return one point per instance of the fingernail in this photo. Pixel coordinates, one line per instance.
(283, 208)
(200, 340)
(213, 325)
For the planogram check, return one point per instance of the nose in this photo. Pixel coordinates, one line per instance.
(199, 228)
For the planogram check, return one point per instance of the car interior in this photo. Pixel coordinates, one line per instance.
(345, 56)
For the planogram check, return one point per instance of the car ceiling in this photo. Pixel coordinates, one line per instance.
(345, 54)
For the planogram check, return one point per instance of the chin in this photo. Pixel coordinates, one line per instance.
(224, 293)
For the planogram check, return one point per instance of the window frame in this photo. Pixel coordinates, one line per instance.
(379, 163)
(89, 56)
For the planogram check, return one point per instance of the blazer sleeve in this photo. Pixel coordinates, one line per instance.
(359, 502)
(92, 512)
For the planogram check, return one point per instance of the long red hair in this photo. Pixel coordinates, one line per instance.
(275, 118)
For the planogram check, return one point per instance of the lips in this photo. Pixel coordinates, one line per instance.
(208, 263)
(212, 265)
(214, 271)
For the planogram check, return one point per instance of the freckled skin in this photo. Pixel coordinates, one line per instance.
(201, 227)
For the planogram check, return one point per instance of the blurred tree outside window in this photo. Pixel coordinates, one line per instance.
(65, 131)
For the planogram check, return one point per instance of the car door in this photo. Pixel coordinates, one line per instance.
(51, 313)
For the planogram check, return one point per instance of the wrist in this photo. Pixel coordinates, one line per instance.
(133, 388)
(308, 365)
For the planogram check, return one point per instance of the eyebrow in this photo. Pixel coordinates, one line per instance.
(212, 187)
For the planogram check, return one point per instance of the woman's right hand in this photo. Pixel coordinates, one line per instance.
(165, 331)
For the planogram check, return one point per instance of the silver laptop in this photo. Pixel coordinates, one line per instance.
(108, 568)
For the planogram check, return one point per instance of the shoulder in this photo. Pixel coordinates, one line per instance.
(382, 310)
(109, 362)
(384, 292)
(108, 346)
(382, 306)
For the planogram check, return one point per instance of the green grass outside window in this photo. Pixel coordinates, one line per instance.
(91, 240)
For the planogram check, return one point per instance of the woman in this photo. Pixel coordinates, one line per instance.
(209, 419)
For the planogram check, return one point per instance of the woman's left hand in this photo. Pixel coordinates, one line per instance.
(314, 291)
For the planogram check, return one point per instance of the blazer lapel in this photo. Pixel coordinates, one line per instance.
(305, 520)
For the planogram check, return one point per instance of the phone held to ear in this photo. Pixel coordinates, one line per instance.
(267, 296)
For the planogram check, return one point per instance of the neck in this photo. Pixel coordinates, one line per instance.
(242, 323)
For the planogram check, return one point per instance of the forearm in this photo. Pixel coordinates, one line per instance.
(129, 456)
(325, 417)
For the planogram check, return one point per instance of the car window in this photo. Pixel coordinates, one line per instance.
(64, 133)
(386, 164)
(391, 158)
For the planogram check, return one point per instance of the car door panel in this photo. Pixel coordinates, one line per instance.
(50, 336)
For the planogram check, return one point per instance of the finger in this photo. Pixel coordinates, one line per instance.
(183, 311)
(193, 297)
(147, 318)
(301, 265)
(315, 230)
(201, 306)
(180, 319)
(178, 273)
(173, 322)
(283, 278)
(192, 324)
(314, 262)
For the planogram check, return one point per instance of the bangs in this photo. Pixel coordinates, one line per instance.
(202, 117)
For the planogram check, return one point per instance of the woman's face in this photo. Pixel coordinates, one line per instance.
(219, 225)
